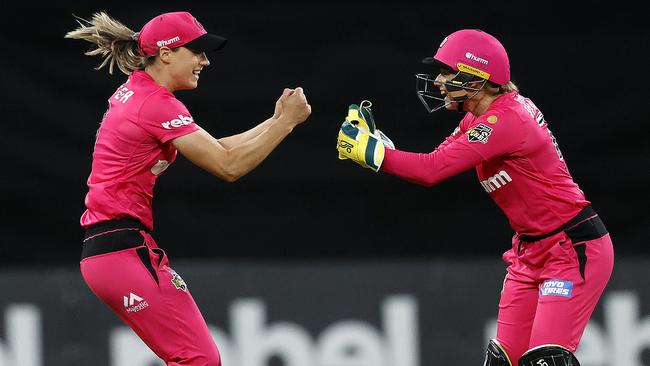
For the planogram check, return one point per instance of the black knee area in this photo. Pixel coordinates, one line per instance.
(495, 355)
(548, 355)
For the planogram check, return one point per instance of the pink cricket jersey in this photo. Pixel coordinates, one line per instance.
(132, 149)
(517, 159)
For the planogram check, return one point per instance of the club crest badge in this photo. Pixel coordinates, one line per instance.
(481, 133)
(177, 281)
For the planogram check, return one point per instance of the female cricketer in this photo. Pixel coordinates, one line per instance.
(139, 136)
(561, 257)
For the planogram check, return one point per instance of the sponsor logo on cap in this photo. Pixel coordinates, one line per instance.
(167, 42)
(471, 56)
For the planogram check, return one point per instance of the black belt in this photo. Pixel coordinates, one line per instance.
(584, 226)
(111, 236)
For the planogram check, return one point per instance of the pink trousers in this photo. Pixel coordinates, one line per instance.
(151, 298)
(550, 291)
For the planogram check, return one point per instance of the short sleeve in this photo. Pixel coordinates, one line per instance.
(166, 118)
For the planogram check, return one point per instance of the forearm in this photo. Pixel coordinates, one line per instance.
(432, 168)
(230, 142)
(246, 156)
(247, 150)
(231, 164)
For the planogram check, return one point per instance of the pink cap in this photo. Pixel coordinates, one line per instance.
(174, 30)
(477, 52)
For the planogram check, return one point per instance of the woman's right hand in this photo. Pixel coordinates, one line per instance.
(293, 107)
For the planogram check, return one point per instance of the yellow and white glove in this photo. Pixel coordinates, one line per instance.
(359, 145)
(361, 116)
(384, 139)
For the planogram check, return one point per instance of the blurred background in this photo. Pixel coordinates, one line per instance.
(275, 238)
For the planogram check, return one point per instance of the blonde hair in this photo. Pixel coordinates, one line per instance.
(113, 41)
(508, 87)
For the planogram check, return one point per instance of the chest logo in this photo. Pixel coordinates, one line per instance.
(496, 181)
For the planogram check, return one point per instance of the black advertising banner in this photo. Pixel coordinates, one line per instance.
(354, 313)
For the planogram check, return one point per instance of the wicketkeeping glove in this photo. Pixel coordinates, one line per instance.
(359, 145)
(361, 116)
(384, 139)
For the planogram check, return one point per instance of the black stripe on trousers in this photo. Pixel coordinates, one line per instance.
(587, 230)
(115, 235)
(143, 253)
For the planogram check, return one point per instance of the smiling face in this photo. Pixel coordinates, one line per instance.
(185, 68)
(178, 68)
(445, 76)
(460, 87)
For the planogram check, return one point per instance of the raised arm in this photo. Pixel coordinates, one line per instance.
(231, 141)
(236, 156)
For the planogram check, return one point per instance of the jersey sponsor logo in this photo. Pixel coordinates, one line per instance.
(496, 181)
(166, 42)
(177, 122)
(492, 119)
(481, 133)
(130, 303)
(556, 288)
(473, 57)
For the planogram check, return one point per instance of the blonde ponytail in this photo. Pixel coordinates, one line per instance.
(114, 42)
(508, 87)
